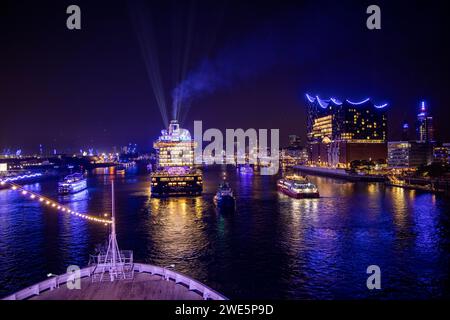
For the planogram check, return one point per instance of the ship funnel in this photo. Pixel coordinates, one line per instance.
(174, 126)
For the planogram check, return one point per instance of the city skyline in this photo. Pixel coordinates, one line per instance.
(77, 93)
(411, 132)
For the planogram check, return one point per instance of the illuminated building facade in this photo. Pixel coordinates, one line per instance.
(342, 131)
(407, 154)
(424, 128)
(3, 167)
(442, 154)
(175, 174)
(294, 156)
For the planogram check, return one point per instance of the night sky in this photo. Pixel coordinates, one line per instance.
(255, 61)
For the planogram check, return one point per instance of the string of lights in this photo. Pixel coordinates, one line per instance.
(54, 204)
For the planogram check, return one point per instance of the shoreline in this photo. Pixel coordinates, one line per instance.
(340, 174)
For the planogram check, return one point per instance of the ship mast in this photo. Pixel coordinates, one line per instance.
(118, 265)
(113, 239)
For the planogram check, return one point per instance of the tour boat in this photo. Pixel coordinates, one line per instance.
(72, 184)
(297, 187)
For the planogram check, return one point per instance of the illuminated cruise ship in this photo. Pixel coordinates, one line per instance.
(297, 187)
(72, 184)
(175, 174)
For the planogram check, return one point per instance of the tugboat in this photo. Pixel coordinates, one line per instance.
(297, 187)
(72, 184)
(224, 198)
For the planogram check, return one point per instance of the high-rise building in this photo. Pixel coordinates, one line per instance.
(424, 127)
(340, 132)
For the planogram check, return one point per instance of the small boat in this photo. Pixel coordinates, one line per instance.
(298, 187)
(245, 169)
(72, 184)
(120, 169)
(224, 198)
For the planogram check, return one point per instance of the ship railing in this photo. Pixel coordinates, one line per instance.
(49, 284)
(103, 263)
(126, 257)
(169, 275)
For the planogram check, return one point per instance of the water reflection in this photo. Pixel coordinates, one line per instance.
(273, 246)
(176, 229)
(400, 208)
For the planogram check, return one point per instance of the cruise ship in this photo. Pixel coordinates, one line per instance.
(298, 187)
(175, 174)
(72, 184)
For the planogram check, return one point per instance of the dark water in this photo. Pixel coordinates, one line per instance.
(272, 247)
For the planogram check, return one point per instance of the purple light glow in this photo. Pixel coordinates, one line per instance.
(310, 99)
(358, 103)
(336, 101)
(325, 103)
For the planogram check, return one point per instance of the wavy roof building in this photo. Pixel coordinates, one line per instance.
(340, 131)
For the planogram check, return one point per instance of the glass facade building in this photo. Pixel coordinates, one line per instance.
(342, 131)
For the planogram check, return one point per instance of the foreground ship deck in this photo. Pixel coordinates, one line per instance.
(113, 275)
(149, 283)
